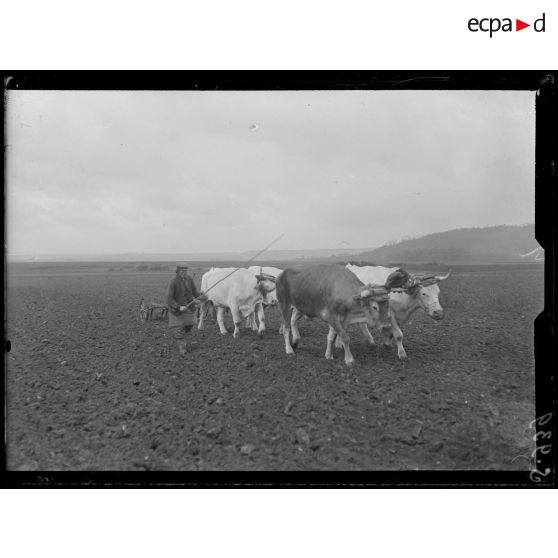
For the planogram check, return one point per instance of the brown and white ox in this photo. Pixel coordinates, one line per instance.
(242, 292)
(334, 294)
(421, 292)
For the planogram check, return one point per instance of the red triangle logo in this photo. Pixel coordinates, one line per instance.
(519, 25)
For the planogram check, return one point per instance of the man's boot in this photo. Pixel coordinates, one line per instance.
(182, 347)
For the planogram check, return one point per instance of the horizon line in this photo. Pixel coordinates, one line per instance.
(245, 251)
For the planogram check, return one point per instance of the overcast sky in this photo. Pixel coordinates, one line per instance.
(161, 172)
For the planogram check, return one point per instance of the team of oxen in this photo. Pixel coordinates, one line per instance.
(376, 297)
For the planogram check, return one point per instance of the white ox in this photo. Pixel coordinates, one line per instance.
(241, 292)
(422, 293)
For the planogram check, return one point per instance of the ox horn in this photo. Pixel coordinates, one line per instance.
(443, 277)
(424, 280)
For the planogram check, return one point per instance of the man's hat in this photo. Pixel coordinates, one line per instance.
(181, 265)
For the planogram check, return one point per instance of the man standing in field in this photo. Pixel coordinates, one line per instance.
(182, 296)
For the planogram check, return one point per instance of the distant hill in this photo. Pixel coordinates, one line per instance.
(503, 243)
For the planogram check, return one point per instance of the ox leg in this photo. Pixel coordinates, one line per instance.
(398, 338)
(392, 334)
(387, 334)
(286, 336)
(342, 333)
(331, 337)
(349, 359)
(281, 328)
(367, 334)
(221, 320)
(284, 307)
(338, 344)
(251, 322)
(261, 318)
(295, 316)
(235, 312)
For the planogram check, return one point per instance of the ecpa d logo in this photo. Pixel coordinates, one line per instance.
(492, 25)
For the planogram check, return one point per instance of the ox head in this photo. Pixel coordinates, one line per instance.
(266, 284)
(376, 299)
(425, 290)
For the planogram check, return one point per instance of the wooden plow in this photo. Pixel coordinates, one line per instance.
(152, 311)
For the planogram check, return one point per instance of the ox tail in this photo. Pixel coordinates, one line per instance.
(283, 294)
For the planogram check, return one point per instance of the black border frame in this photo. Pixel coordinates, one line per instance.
(546, 210)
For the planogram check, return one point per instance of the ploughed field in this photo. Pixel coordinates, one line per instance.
(91, 387)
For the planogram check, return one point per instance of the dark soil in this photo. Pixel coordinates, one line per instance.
(91, 387)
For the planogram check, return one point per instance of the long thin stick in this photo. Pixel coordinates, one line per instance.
(235, 270)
